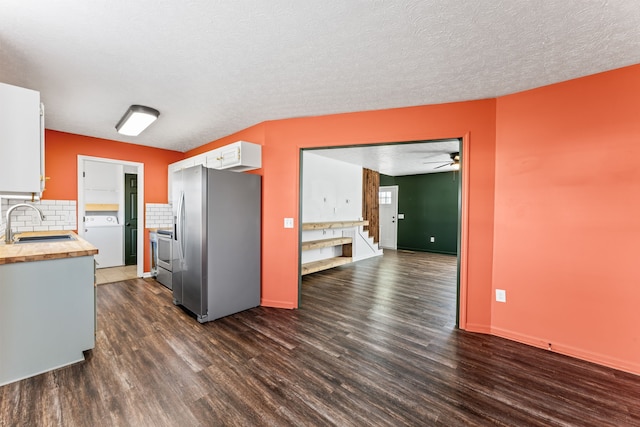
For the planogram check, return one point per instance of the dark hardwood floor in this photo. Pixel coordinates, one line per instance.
(373, 344)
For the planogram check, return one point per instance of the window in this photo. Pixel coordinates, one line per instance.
(384, 197)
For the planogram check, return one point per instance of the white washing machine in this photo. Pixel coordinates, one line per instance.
(105, 233)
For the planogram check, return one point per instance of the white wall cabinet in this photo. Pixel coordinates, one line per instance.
(104, 184)
(21, 142)
(240, 156)
(174, 167)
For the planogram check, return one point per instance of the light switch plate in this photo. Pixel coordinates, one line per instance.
(501, 295)
(288, 223)
(400, 216)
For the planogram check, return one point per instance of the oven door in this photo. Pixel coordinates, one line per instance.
(165, 251)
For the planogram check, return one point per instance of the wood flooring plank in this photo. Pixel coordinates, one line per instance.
(373, 343)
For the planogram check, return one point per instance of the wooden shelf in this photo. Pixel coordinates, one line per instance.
(325, 243)
(324, 264)
(101, 207)
(332, 224)
(346, 242)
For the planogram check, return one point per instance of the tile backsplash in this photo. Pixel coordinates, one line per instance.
(158, 215)
(59, 215)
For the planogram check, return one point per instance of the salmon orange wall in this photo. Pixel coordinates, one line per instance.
(283, 139)
(566, 218)
(551, 178)
(61, 166)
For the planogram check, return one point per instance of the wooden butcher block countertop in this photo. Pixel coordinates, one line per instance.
(41, 251)
(156, 229)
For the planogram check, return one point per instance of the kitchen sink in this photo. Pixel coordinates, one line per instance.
(47, 238)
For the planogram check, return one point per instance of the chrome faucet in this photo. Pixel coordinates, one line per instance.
(8, 238)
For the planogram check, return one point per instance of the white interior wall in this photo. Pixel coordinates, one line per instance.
(104, 183)
(331, 189)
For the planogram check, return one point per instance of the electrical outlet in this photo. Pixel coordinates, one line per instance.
(501, 295)
(288, 223)
(432, 239)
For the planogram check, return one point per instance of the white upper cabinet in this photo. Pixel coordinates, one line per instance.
(239, 156)
(103, 183)
(21, 142)
(174, 167)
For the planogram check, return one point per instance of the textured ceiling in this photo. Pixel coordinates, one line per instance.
(410, 158)
(215, 67)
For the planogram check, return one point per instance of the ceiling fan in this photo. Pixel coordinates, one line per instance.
(455, 161)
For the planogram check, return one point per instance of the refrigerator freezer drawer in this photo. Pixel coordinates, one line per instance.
(164, 277)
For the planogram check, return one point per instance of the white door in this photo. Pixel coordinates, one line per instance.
(388, 209)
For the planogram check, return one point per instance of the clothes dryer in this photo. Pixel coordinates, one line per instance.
(107, 234)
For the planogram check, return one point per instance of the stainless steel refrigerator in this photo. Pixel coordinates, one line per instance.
(217, 240)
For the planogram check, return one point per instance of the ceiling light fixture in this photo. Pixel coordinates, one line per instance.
(136, 119)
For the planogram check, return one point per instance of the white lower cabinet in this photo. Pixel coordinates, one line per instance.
(47, 315)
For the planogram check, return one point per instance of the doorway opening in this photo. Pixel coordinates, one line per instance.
(419, 157)
(103, 197)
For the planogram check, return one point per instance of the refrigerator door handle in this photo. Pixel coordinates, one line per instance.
(180, 228)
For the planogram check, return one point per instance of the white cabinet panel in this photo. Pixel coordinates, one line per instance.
(229, 156)
(239, 156)
(47, 315)
(103, 176)
(21, 142)
(174, 167)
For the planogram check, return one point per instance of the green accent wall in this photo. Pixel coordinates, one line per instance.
(429, 203)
